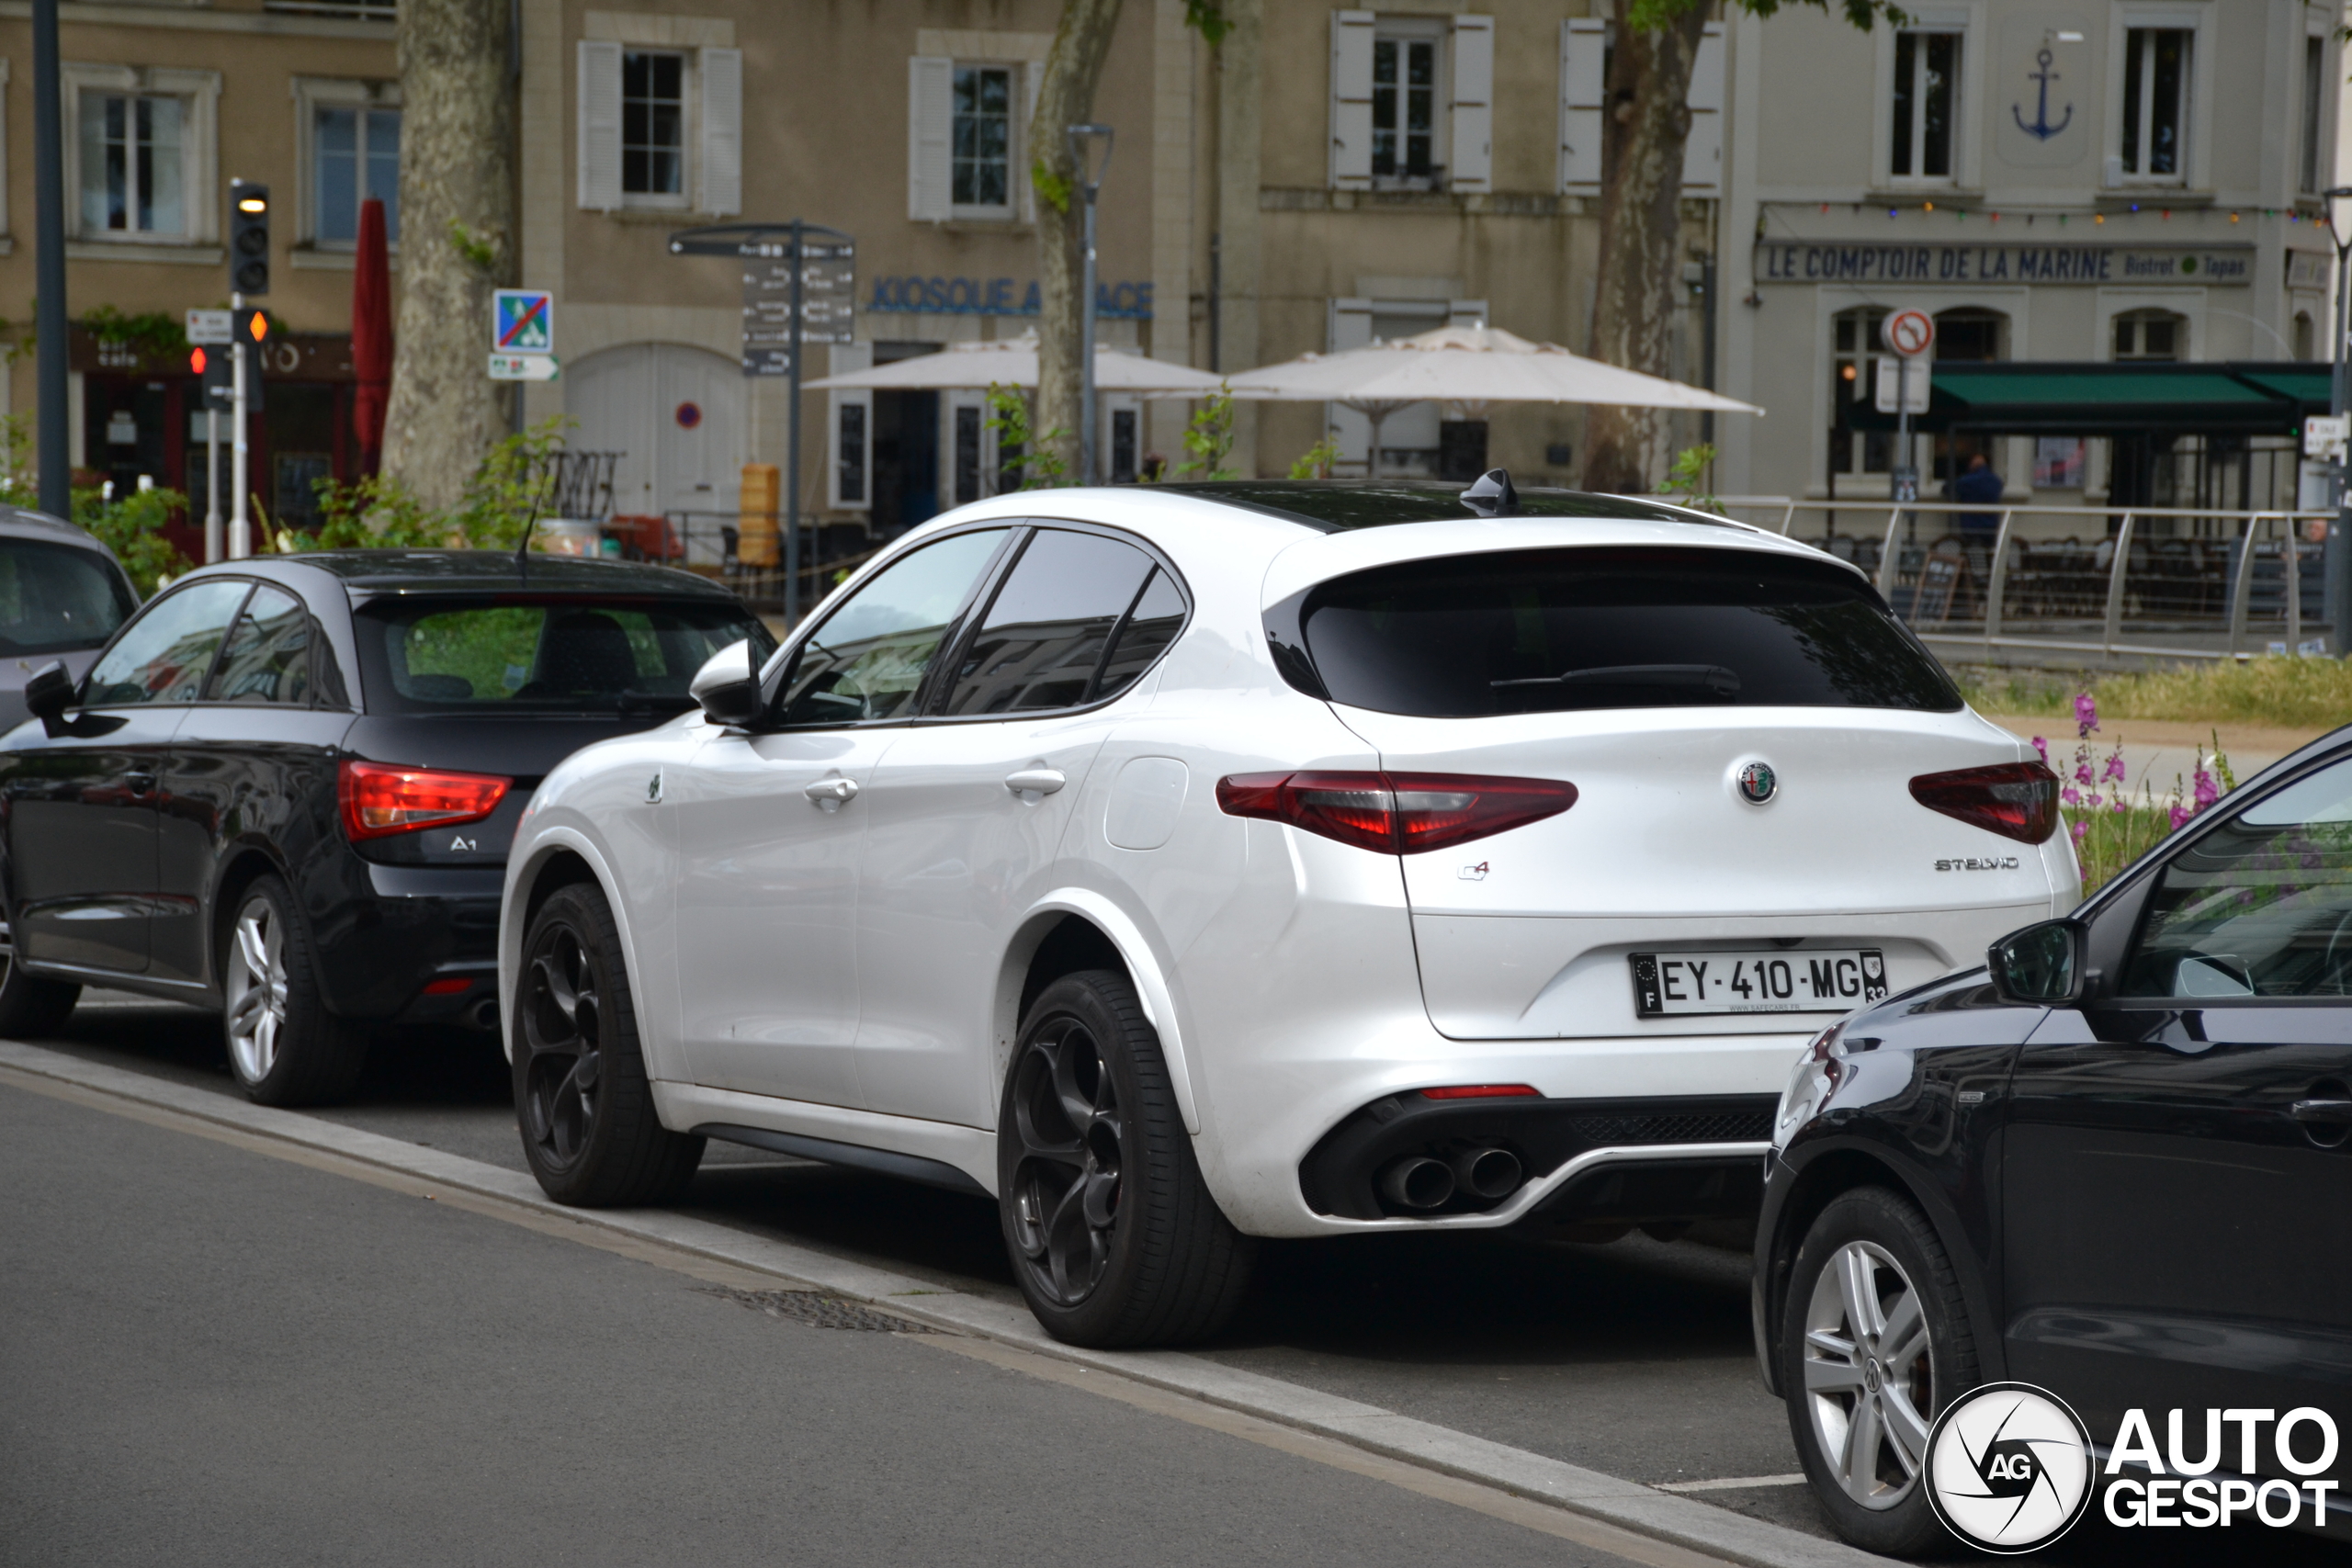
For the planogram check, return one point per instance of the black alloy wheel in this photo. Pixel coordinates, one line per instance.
(1114, 1235)
(590, 1130)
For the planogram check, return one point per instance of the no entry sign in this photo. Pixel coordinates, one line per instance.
(1909, 333)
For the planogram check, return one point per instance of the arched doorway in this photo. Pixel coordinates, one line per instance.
(676, 416)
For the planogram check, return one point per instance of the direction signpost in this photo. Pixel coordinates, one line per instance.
(799, 287)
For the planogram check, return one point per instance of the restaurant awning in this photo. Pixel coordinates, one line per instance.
(2126, 398)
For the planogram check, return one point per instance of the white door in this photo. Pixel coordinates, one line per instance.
(965, 814)
(771, 827)
(676, 415)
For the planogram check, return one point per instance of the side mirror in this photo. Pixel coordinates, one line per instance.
(2040, 965)
(49, 693)
(728, 685)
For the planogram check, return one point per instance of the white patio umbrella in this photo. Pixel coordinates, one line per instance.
(1472, 366)
(1013, 362)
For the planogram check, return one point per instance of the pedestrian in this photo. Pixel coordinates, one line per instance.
(1978, 484)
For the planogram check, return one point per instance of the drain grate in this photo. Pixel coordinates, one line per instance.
(817, 1307)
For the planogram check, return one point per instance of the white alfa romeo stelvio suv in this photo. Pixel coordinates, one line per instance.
(1185, 864)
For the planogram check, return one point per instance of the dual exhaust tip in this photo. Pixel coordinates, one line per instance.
(1420, 1181)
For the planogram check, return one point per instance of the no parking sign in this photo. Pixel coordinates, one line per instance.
(1909, 333)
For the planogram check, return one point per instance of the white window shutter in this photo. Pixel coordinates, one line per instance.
(1474, 105)
(930, 112)
(849, 456)
(1350, 327)
(722, 131)
(1702, 154)
(1351, 100)
(1584, 62)
(1465, 312)
(1033, 76)
(600, 125)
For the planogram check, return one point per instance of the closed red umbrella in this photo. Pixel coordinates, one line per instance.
(371, 335)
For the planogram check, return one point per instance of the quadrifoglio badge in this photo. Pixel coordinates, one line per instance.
(2011, 1468)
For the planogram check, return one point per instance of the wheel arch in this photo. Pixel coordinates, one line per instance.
(1074, 929)
(561, 857)
(245, 865)
(1840, 1168)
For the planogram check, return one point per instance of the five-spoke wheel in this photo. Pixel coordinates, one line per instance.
(591, 1133)
(284, 1046)
(254, 985)
(1066, 1188)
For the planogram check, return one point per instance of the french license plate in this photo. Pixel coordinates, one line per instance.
(1835, 979)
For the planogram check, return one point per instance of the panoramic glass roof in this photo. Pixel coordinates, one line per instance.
(1333, 506)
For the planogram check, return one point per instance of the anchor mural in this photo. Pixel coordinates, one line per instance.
(2042, 129)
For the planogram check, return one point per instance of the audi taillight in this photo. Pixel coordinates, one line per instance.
(2017, 800)
(380, 800)
(1402, 814)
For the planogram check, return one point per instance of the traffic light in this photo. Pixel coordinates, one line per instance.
(218, 372)
(248, 237)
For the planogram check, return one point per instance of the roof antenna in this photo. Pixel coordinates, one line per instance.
(1491, 495)
(530, 523)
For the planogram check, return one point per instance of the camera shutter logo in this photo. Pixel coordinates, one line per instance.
(1758, 783)
(2010, 1468)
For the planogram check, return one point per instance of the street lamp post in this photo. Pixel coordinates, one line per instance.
(2335, 564)
(1082, 141)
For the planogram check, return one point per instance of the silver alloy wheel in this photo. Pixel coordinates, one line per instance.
(1869, 1384)
(256, 988)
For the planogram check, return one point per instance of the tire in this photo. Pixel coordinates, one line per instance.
(28, 1004)
(1871, 1253)
(285, 1047)
(581, 1095)
(1114, 1236)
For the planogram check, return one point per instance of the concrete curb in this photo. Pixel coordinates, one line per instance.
(1627, 1503)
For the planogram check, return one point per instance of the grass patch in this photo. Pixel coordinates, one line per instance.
(2290, 693)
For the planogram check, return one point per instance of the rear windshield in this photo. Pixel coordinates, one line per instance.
(55, 597)
(1337, 506)
(566, 656)
(1548, 631)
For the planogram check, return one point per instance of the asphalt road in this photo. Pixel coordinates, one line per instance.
(215, 1354)
(1631, 1358)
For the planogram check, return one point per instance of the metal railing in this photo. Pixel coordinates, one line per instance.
(2171, 581)
(706, 542)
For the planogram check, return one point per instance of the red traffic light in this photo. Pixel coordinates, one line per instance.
(196, 361)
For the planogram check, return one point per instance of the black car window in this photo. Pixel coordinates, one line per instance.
(866, 658)
(164, 656)
(1043, 639)
(1150, 628)
(55, 597)
(2259, 907)
(268, 655)
(513, 654)
(1549, 631)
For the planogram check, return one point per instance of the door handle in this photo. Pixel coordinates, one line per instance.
(141, 783)
(2327, 1113)
(1039, 782)
(829, 794)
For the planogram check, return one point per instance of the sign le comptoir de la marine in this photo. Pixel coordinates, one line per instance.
(1829, 261)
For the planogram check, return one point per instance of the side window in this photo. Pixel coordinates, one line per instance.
(1043, 639)
(163, 655)
(2261, 906)
(1151, 626)
(267, 658)
(866, 658)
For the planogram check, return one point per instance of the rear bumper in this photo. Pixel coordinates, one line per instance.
(396, 929)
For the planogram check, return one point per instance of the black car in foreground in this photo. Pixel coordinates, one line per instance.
(287, 787)
(2116, 1164)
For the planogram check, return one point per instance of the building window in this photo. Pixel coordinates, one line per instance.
(355, 154)
(132, 166)
(982, 166)
(2304, 336)
(653, 123)
(1851, 365)
(1404, 109)
(1927, 78)
(2157, 336)
(2155, 103)
(2314, 114)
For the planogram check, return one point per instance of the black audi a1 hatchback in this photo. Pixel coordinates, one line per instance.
(287, 787)
(2115, 1163)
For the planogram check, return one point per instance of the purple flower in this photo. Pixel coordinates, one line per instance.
(2083, 771)
(2093, 801)
(2115, 765)
(2080, 829)
(2041, 749)
(2070, 795)
(2180, 813)
(2086, 713)
(2208, 792)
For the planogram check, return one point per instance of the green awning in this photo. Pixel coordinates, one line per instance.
(2028, 397)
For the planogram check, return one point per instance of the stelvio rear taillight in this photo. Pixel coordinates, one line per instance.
(380, 800)
(1401, 814)
(2017, 800)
